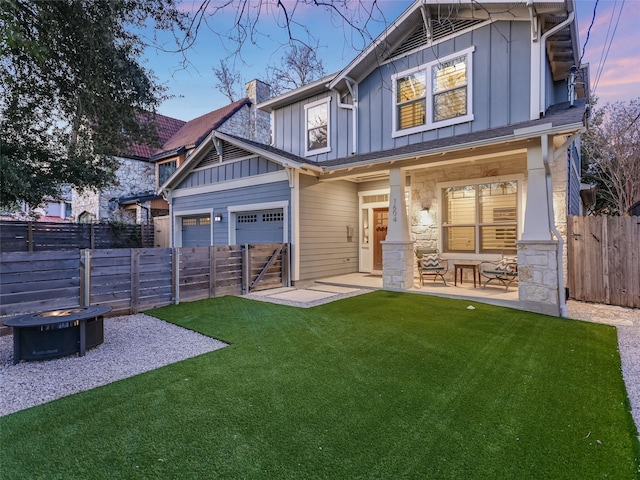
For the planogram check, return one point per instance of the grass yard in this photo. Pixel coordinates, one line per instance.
(380, 386)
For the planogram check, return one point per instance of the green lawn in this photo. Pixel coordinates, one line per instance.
(380, 386)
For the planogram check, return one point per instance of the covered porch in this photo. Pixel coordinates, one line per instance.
(492, 294)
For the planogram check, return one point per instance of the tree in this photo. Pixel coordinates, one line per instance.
(611, 150)
(228, 80)
(74, 92)
(300, 65)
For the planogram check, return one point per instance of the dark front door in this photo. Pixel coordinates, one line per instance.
(380, 222)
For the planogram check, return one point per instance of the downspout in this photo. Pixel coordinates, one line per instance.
(354, 111)
(552, 226)
(543, 44)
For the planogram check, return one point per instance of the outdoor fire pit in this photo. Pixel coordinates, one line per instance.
(57, 333)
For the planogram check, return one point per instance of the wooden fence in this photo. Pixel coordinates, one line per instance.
(133, 280)
(604, 260)
(17, 236)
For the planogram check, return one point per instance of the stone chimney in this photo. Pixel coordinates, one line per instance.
(258, 92)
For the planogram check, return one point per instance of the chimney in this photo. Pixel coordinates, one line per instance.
(258, 92)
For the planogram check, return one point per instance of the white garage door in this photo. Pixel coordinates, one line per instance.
(196, 231)
(263, 226)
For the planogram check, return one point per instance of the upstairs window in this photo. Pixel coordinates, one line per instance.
(317, 127)
(434, 95)
(165, 170)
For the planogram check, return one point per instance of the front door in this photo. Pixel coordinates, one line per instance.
(380, 223)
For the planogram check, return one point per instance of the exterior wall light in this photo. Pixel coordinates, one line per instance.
(217, 217)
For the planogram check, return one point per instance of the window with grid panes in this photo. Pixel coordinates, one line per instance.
(433, 95)
(480, 218)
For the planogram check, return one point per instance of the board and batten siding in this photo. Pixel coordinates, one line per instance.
(501, 89)
(220, 200)
(231, 170)
(326, 210)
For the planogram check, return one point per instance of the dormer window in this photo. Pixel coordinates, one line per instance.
(165, 170)
(317, 127)
(433, 95)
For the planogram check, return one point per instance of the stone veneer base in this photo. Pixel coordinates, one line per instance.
(397, 265)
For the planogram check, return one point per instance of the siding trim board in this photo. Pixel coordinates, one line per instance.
(245, 182)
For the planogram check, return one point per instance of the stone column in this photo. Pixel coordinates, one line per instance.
(538, 286)
(538, 276)
(397, 249)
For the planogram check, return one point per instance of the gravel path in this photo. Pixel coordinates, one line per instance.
(627, 323)
(132, 344)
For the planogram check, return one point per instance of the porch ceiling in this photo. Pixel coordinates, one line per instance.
(505, 152)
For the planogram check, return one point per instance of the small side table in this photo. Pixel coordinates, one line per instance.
(459, 267)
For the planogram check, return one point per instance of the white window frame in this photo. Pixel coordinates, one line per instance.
(307, 107)
(427, 69)
(477, 255)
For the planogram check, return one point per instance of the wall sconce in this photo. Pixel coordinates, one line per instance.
(425, 218)
(217, 217)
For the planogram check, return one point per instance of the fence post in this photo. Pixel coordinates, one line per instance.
(30, 236)
(175, 275)
(85, 277)
(246, 268)
(134, 266)
(212, 271)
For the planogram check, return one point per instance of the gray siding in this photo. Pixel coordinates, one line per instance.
(326, 209)
(501, 86)
(229, 171)
(219, 201)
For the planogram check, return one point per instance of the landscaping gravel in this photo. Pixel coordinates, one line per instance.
(133, 344)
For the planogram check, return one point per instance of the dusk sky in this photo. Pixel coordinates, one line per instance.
(612, 51)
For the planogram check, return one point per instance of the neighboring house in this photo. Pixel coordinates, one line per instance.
(51, 210)
(134, 199)
(457, 129)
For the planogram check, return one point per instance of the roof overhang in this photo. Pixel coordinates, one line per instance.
(504, 147)
(306, 91)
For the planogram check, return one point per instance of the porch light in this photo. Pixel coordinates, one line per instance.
(425, 218)
(217, 217)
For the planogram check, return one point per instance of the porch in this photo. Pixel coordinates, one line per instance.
(492, 294)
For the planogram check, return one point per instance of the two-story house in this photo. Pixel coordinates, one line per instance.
(457, 129)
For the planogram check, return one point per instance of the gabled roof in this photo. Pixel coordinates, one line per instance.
(166, 128)
(276, 155)
(192, 133)
(426, 22)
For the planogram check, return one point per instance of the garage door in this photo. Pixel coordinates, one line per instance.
(196, 231)
(263, 226)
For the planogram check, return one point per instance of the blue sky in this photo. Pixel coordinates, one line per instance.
(193, 86)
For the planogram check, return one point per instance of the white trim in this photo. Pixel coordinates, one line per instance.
(265, 178)
(228, 162)
(307, 107)
(426, 68)
(295, 227)
(233, 210)
(520, 202)
(177, 223)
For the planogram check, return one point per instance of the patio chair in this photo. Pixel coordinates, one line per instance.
(430, 264)
(504, 271)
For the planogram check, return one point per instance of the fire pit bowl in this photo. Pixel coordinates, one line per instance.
(57, 333)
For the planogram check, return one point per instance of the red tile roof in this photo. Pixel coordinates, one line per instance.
(166, 127)
(196, 130)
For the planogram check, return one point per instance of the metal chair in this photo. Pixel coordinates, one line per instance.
(430, 264)
(504, 271)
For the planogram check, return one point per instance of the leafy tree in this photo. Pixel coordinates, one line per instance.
(73, 91)
(300, 65)
(611, 149)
